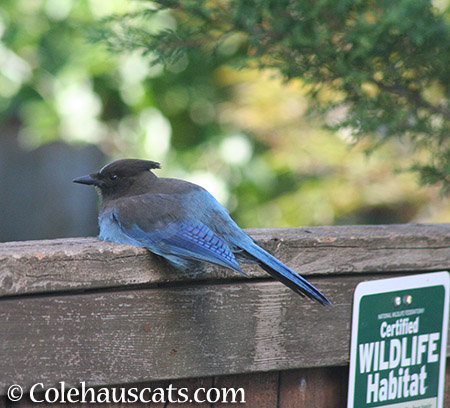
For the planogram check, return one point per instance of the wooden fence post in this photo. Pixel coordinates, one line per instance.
(85, 310)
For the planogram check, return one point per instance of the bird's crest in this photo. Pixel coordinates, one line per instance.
(130, 165)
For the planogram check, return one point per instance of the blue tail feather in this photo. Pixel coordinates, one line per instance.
(286, 275)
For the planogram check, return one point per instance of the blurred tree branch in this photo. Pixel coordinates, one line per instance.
(387, 63)
(413, 96)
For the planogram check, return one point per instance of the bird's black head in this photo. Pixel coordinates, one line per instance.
(122, 177)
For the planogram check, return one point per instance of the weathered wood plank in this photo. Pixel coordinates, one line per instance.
(324, 387)
(87, 263)
(26, 402)
(447, 384)
(261, 389)
(181, 332)
(192, 384)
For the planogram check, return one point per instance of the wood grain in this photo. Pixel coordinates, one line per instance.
(192, 384)
(155, 334)
(85, 310)
(168, 333)
(447, 384)
(324, 387)
(314, 387)
(26, 402)
(261, 389)
(87, 263)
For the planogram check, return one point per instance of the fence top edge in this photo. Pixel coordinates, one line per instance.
(87, 263)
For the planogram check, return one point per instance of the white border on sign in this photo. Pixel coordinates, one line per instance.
(391, 285)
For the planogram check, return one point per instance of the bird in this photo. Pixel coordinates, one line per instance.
(179, 221)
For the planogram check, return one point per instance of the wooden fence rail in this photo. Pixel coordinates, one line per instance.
(84, 310)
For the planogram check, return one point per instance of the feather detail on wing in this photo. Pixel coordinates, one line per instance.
(187, 239)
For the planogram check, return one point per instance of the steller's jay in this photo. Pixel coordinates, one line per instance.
(179, 221)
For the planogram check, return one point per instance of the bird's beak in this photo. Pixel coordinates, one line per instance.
(90, 180)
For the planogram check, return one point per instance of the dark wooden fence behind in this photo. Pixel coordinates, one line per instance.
(84, 310)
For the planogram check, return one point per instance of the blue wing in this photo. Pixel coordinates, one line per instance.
(188, 240)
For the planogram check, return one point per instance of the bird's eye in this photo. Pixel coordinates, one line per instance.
(112, 176)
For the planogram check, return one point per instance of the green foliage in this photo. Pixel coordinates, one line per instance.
(243, 134)
(379, 69)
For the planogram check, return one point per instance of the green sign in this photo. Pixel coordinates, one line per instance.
(399, 342)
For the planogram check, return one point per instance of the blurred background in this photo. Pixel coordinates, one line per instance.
(68, 106)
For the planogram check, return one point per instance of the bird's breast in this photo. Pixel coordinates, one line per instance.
(110, 230)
